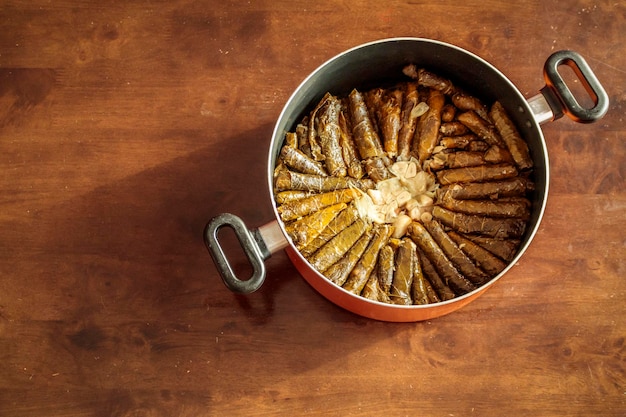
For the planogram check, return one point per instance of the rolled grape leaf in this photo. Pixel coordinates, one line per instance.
(428, 126)
(422, 291)
(287, 180)
(458, 258)
(481, 127)
(389, 120)
(362, 270)
(304, 230)
(510, 135)
(476, 174)
(348, 148)
(486, 190)
(365, 137)
(510, 207)
(452, 128)
(444, 292)
(299, 208)
(340, 222)
(339, 271)
(329, 133)
(505, 249)
(450, 275)
(501, 228)
(283, 197)
(409, 115)
(404, 274)
(338, 246)
(372, 290)
(482, 257)
(386, 266)
(299, 161)
(464, 101)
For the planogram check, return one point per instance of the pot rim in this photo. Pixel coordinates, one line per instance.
(278, 135)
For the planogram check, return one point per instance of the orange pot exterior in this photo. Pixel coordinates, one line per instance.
(376, 61)
(373, 309)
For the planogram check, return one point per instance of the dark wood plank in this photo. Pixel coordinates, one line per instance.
(125, 127)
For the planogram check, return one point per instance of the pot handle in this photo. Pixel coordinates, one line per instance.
(257, 244)
(556, 99)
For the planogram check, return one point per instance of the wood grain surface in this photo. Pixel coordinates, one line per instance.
(125, 126)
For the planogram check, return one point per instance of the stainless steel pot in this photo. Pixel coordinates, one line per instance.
(381, 62)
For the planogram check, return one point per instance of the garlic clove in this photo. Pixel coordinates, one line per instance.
(426, 217)
(415, 213)
(401, 225)
(403, 198)
(376, 196)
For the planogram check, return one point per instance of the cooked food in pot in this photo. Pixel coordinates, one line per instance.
(407, 194)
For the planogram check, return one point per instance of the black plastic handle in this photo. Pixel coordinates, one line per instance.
(252, 245)
(560, 97)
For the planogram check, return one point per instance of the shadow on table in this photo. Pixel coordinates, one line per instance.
(144, 288)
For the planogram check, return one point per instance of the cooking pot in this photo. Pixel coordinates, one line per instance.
(379, 63)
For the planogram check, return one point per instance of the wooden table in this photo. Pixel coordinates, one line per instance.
(125, 127)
